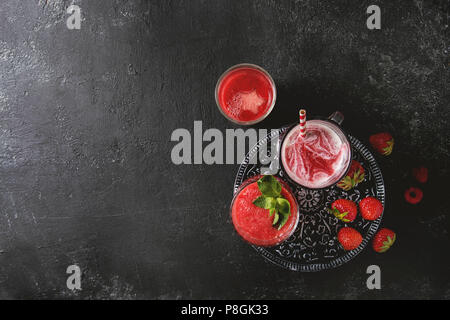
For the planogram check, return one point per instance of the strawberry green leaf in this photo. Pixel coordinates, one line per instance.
(388, 150)
(358, 177)
(346, 183)
(387, 244)
(337, 214)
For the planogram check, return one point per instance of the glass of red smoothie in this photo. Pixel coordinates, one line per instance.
(319, 159)
(245, 94)
(254, 224)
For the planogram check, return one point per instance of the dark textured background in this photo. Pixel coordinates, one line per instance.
(85, 123)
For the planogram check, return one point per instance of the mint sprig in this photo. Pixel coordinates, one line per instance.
(271, 199)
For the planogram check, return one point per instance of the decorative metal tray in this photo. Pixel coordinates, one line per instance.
(314, 245)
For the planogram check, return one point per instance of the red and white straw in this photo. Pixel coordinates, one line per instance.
(302, 114)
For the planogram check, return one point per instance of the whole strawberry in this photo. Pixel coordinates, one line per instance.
(371, 208)
(354, 176)
(413, 195)
(421, 174)
(344, 210)
(349, 238)
(382, 142)
(383, 240)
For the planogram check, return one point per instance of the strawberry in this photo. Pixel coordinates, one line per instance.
(413, 195)
(383, 240)
(349, 238)
(421, 174)
(344, 210)
(354, 176)
(370, 208)
(382, 142)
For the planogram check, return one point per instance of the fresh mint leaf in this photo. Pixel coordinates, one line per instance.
(276, 218)
(269, 186)
(265, 202)
(283, 206)
(284, 219)
(272, 200)
(272, 211)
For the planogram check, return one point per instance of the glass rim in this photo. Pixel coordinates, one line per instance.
(286, 186)
(253, 66)
(347, 140)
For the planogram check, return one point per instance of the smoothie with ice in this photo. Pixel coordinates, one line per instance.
(258, 225)
(318, 159)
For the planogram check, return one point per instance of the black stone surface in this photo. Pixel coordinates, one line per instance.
(85, 123)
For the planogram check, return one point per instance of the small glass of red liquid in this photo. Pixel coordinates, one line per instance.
(254, 224)
(245, 94)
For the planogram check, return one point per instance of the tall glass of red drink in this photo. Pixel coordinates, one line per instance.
(254, 224)
(245, 94)
(319, 159)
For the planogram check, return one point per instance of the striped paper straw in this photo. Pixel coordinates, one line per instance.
(302, 114)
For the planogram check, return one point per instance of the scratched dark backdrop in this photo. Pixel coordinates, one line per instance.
(85, 123)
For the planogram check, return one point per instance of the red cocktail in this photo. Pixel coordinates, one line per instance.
(319, 159)
(253, 223)
(245, 94)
